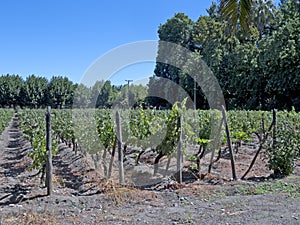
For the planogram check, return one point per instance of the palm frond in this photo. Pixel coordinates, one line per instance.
(236, 11)
(245, 13)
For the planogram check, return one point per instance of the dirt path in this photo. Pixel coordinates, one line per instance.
(15, 180)
(82, 197)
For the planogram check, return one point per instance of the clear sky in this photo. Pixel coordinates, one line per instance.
(64, 37)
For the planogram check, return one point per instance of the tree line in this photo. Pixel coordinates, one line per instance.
(60, 92)
(257, 68)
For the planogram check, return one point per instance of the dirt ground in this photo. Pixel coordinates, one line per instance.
(82, 196)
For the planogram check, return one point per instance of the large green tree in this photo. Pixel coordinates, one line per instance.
(106, 96)
(263, 13)
(248, 65)
(132, 96)
(10, 89)
(60, 92)
(280, 58)
(176, 30)
(34, 91)
(82, 96)
(103, 94)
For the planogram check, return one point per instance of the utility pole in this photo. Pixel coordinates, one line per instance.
(195, 90)
(128, 81)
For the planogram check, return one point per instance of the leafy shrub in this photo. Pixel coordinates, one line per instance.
(284, 148)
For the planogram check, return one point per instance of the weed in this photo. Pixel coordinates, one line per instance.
(119, 194)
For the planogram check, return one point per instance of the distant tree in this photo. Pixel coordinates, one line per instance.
(82, 96)
(103, 94)
(60, 92)
(34, 91)
(95, 91)
(10, 89)
(137, 95)
(263, 15)
(106, 96)
(156, 95)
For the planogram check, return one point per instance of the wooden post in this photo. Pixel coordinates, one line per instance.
(263, 132)
(274, 127)
(74, 145)
(229, 143)
(179, 152)
(112, 159)
(49, 152)
(120, 152)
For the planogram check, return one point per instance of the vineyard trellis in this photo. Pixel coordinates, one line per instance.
(94, 132)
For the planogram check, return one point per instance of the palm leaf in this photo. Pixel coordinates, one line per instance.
(235, 11)
(245, 9)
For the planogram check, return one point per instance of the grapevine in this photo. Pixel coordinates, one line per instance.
(33, 126)
(5, 117)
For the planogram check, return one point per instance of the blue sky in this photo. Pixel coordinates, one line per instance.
(64, 37)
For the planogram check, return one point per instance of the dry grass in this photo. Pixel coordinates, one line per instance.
(58, 180)
(118, 193)
(122, 194)
(29, 218)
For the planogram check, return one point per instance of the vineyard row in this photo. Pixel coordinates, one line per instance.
(94, 132)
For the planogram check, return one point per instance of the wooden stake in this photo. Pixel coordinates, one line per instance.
(274, 127)
(179, 152)
(120, 152)
(49, 152)
(229, 143)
